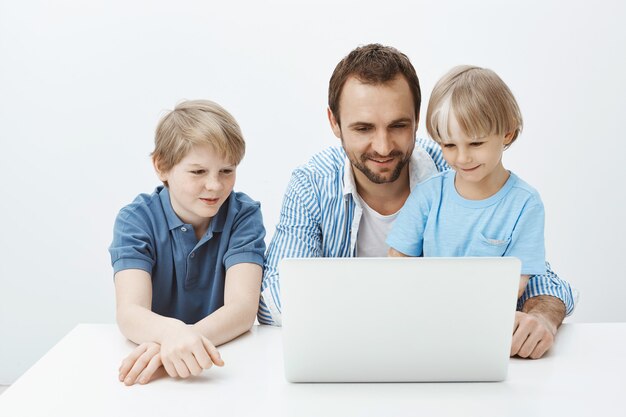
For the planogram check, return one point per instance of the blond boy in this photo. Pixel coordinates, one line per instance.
(188, 257)
(478, 208)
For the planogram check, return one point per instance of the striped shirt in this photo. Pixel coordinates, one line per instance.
(320, 217)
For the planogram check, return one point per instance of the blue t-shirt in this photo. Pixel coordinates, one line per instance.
(188, 275)
(437, 221)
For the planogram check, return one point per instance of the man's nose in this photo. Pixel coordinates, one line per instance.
(381, 144)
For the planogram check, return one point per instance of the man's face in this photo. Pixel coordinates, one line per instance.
(377, 128)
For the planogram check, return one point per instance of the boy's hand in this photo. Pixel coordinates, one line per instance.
(186, 352)
(141, 365)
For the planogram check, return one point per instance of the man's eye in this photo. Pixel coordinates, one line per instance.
(363, 128)
(399, 126)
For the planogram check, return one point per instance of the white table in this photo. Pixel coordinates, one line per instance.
(583, 375)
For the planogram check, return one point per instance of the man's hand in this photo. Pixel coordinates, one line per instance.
(141, 365)
(186, 352)
(536, 325)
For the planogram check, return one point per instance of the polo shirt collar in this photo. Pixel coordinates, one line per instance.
(174, 222)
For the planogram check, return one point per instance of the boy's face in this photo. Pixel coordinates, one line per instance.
(377, 128)
(199, 184)
(477, 161)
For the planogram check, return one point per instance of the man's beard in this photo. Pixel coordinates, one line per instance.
(377, 178)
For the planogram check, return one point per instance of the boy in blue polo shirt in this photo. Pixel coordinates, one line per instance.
(188, 258)
(478, 208)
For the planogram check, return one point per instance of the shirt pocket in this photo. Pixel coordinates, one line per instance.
(484, 246)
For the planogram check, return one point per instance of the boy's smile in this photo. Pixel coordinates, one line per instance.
(198, 186)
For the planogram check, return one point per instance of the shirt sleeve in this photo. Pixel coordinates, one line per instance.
(133, 244)
(407, 233)
(298, 234)
(549, 284)
(433, 149)
(527, 239)
(246, 244)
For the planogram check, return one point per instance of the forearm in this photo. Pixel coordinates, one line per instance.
(227, 322)
(548, 308)
(140, 324)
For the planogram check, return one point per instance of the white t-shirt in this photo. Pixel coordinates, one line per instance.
(373, 230)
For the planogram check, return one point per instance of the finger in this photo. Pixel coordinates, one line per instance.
(154, 364)
(529, 344)
(202, 357)
(542, 347)
(213, 352)
(139, 365)
(520, 334)
(169, 367)
(181, 368)
(130, 360)
(192, 364)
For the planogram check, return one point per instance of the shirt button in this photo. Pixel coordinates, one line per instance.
(183, 229)
(193, 254)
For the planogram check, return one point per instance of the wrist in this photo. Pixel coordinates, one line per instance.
(168, 328)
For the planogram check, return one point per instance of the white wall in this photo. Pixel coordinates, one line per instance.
(82, 85)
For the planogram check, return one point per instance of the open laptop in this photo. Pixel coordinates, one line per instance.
(397, 319)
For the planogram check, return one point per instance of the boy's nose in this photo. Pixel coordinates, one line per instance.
(213, 184)
(463, 156)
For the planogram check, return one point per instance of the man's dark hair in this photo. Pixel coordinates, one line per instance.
(373, 64)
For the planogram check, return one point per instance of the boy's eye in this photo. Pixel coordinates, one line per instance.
(475, 144)
(449, 145)
(197, 172)
(227, 171)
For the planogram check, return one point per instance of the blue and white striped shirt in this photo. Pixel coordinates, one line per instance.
(320, 217)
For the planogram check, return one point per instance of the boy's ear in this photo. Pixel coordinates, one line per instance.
(160, 173)
(508, 138)
(333, 123)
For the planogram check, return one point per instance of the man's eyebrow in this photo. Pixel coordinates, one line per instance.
(401, 120)
(361, 124)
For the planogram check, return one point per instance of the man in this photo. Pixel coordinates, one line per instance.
(343, 201)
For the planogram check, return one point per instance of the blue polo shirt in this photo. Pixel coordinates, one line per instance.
(188, 275)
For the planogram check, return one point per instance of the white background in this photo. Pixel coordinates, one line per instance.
(83, 84)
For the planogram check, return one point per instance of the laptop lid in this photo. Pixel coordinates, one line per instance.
(397, 319)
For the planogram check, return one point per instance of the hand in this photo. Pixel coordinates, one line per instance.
(186, 352)
(532, 335)
(141, 365)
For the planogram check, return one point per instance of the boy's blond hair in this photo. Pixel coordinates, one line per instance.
(481, 102)
(197, 122)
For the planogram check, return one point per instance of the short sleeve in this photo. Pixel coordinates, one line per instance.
(133, 244)
(246, 244)
(407, 234)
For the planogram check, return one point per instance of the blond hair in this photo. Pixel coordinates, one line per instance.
(480, 101)
(196, 122)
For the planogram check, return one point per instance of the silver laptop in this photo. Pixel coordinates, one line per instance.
(398, 319)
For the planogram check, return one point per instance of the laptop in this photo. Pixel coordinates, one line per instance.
(398, 319)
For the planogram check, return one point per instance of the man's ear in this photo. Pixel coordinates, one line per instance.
(163, 175)
(334, 125)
